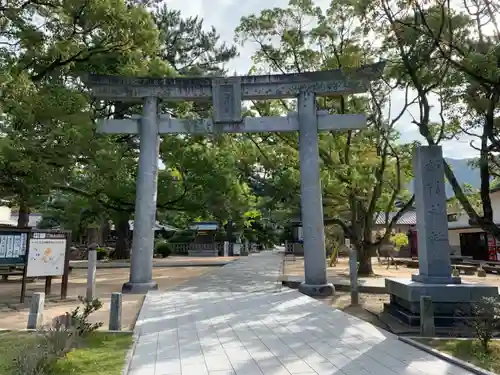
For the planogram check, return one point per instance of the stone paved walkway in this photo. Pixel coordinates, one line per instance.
(238, 321)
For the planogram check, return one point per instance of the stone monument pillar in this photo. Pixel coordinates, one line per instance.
(450, 298)
(432, 221)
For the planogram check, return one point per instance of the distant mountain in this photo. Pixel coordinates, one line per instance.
(463, 172)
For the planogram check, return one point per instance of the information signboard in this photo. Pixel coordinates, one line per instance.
(47, 254)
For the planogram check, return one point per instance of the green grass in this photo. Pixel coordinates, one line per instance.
(470, 351)
(100, 353)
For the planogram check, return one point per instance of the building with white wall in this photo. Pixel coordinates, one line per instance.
(470, 240)
(9, 217)
(33, 220)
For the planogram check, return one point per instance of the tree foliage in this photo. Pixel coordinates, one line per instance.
(51, 156)
(449, 51)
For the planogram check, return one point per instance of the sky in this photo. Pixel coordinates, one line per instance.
(225, 15)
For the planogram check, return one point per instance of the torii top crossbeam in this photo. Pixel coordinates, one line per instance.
(258, 87)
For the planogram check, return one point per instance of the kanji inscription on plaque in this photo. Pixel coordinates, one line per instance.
(226, 100)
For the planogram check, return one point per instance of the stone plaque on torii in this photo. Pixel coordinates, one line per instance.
(226, 94)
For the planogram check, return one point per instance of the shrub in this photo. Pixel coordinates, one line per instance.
(79, 318)
(59, 340)
(183, 236)
(481, 272)
(32, 359)
(486, 320)
(399, 240)
(332, 261)
(51, 343)
(101, 253)
(163, 248)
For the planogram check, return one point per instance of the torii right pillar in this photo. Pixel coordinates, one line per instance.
(316, 281)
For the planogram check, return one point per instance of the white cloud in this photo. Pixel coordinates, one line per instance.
(225, 15)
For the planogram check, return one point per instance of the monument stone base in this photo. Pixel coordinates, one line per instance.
(324, 290)
(139, 288)
(451, 302)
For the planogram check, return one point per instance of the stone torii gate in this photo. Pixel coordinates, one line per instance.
(227, 94)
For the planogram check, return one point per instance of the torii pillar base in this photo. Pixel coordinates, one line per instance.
(139, 288)
(324, 290)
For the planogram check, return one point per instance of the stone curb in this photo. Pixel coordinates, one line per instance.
(339, 285)
(34, 330)
(446, 357)
(127, 265)
(130, 354)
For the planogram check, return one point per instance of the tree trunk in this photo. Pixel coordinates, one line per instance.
(104, 232)
(122, 247)
(24, 215)
(365, 263)
(92, 235)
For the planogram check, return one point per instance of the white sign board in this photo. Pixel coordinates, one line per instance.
(46, 257)
(13, 245)
(236, 249)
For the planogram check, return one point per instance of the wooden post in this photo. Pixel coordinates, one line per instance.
(48, 285)
(23, 283)
(91, 271)
(353, 273)
(65, 277)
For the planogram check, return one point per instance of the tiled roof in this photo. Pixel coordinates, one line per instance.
(204, 226)
(408, 218)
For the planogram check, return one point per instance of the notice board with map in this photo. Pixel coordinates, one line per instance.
(47, 254)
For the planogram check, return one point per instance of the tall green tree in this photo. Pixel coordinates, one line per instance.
(445, 50)
(94, 170)
(46, 119)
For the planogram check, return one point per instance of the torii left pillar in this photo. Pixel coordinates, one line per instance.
(141, 262)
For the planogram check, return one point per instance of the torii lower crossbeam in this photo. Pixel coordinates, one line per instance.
(290, 123)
